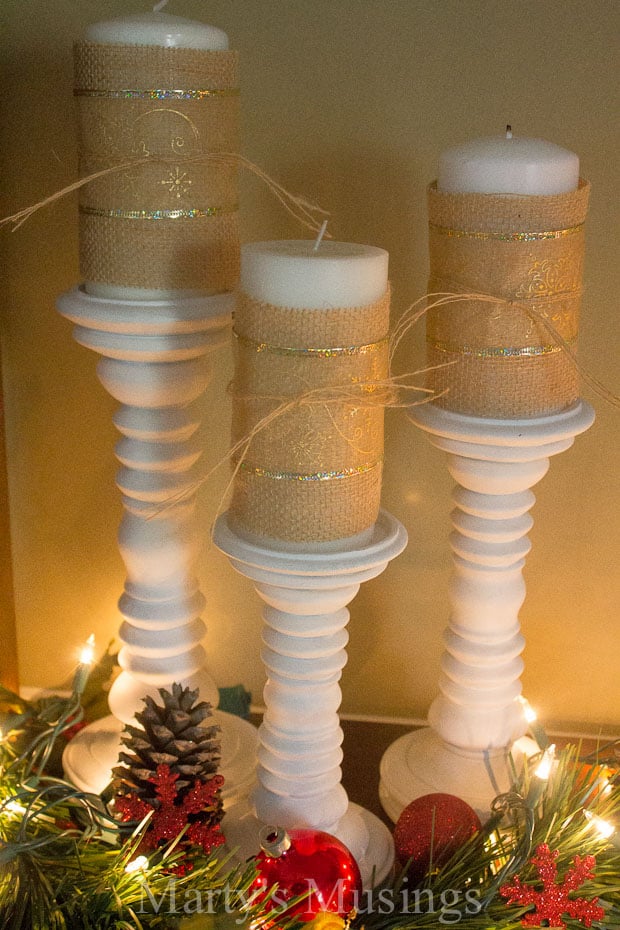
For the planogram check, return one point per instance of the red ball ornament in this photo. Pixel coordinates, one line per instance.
(307, 862)
(430, 830)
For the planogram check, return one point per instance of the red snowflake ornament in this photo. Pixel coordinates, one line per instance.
(173, 813)
(554, 900)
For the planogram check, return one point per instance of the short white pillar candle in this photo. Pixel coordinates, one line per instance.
(293, 273)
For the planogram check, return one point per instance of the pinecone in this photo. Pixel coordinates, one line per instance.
(169, 735)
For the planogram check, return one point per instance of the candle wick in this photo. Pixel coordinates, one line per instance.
(509, 131)
(320, 236)
(159, 6)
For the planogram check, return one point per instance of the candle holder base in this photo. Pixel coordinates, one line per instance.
(422, 763)
(91, 755)
(367, 838)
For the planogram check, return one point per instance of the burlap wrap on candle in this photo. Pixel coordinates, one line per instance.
(170, 222)
(312, 474)
(528, 250)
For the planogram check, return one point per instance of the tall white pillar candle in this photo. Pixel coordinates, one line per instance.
(157, 29)
(177, 192)
(508, 165)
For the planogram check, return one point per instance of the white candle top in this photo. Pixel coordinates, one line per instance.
(507, 165)
(291, 273)
(157, 29)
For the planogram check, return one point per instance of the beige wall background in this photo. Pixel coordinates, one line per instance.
(348, 102)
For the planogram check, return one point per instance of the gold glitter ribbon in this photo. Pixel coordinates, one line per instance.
(160, 111)
(314, 351)
(156, 94)
(314, 474)
(528, 252)
(158, 214)
(505, 236)
(498, 351)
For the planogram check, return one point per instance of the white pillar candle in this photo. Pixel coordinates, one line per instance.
(292, 273)
(166, 31)
(157, 29)
(508, 165)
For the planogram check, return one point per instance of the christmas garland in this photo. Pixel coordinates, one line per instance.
(70, 861)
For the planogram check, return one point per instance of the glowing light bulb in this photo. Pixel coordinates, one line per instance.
(601, 826)
(543, 770)
(531, 717)
(528, 711)
(540, 776)
(139, 864)
(87, 655)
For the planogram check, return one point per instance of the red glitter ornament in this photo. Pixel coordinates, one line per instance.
(311, 863)
(554, 900)
(430, 830)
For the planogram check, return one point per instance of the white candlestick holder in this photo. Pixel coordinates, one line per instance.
(155, 362)
(477, 716)
(304, 639)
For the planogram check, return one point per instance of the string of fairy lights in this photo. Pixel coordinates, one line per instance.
(40, 813)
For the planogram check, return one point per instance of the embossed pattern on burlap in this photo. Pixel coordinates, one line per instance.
(312, 474)
(528, 251)
(170, 220)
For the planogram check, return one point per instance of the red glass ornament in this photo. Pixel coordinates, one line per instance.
(307, 862)
(430, 830)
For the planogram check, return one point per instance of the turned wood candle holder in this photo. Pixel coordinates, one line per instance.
(155, 362)
(304, 640)
(477, 716)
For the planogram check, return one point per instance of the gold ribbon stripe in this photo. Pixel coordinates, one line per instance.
(156, 93)
(498, 351)
(313, 352)
(191, 214)
(261, 472)
(505, 236)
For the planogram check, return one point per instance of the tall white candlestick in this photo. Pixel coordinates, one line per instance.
(512, 405)
(159, 254)
(508, 165)
(291, 273)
